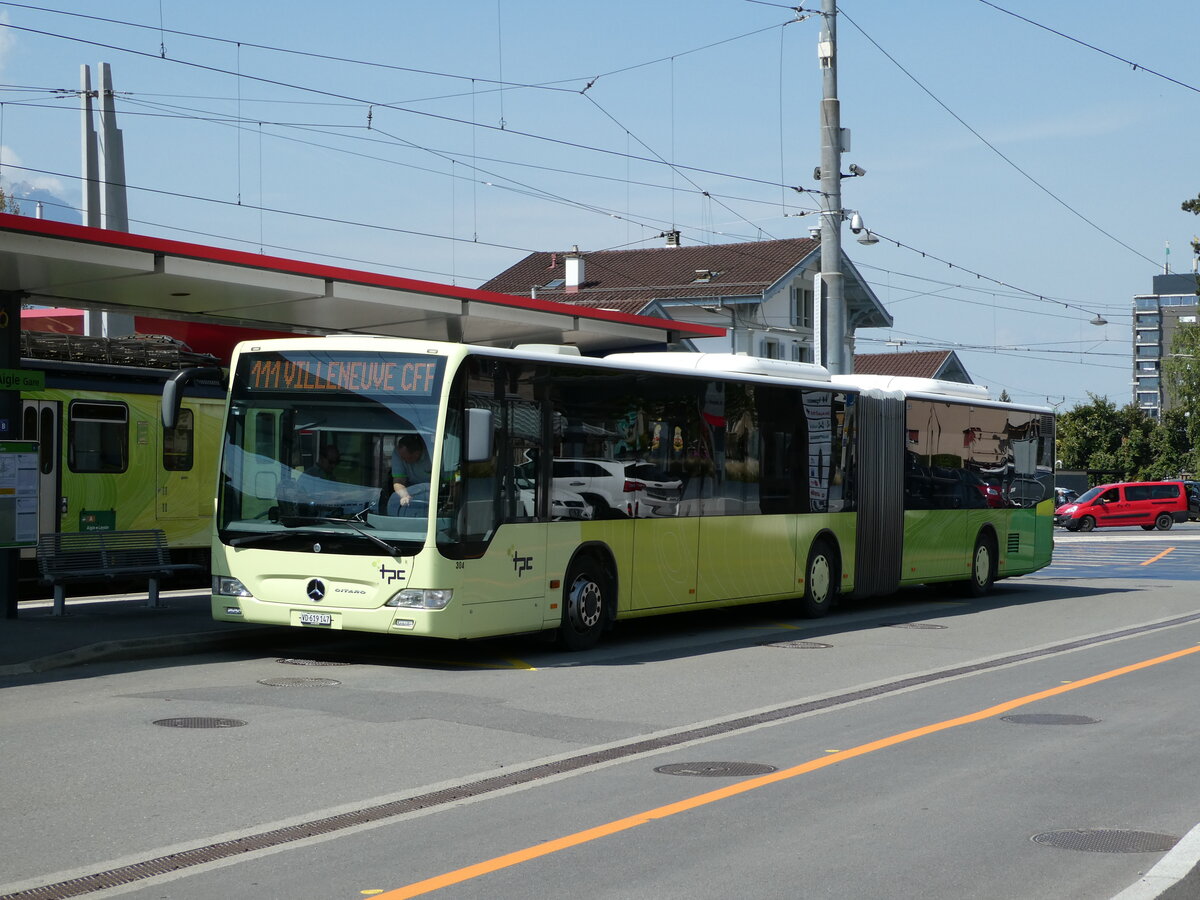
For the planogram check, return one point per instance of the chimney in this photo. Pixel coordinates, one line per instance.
(575, 270)
(672, 238)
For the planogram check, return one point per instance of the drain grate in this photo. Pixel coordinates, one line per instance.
(715, 769)
(1107, 840)
(797, 645)
(927, 626)
(299, 682)
(310, 662)
(199, 722)
(1049, 719)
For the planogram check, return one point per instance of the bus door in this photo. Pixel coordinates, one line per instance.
(178, 481)
(41, 422)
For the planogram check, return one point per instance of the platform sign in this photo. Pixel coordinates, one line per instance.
(22, 380)
(19, 477)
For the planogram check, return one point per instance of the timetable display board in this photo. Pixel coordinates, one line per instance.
(18, 493)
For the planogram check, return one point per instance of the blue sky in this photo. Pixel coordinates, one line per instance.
(444, 141)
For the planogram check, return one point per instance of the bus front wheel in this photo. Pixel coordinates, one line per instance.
(983, 566)
(585, 601)
(821, 577)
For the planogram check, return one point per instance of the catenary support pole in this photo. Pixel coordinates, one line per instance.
(834, 293)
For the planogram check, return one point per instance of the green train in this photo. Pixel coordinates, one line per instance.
(106, 462)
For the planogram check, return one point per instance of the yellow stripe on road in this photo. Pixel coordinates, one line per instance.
(662, 812)
(1157, 558)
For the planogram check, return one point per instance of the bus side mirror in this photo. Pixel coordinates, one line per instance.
(175, 387)
(479, 435)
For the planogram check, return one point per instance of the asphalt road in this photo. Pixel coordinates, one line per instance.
(881, 752)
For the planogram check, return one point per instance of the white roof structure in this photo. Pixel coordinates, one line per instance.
(57, 264)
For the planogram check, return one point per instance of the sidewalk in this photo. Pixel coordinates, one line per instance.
(117, 626)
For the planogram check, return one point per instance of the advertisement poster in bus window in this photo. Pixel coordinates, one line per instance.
(817, 409)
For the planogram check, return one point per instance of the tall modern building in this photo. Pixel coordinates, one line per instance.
(1156, 318)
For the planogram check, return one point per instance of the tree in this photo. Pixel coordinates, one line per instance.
(8, 203)
(1181, 369)
(1097, 435)
(1004, 398)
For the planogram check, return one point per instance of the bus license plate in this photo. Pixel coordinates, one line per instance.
(310, 618)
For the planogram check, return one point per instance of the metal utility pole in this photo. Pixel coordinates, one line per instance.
(833, 320)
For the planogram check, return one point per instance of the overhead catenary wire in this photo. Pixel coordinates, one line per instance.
(1049, 193)
(406, 110)
(647, 239)
(1136, 66)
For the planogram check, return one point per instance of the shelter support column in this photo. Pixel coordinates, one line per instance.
(10, 422)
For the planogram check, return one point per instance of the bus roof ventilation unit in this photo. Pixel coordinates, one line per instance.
(550, 349)
(733, 363)
(910, 385)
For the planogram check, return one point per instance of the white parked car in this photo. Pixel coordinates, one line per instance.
(658, 492)
(602, 483)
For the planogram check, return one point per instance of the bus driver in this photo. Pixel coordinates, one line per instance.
(410, 466)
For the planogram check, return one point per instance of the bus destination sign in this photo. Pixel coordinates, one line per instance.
(358, 374)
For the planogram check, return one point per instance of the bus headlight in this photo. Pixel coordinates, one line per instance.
(228, 586)
(421, 599)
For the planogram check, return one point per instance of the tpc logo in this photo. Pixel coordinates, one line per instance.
(522, 564)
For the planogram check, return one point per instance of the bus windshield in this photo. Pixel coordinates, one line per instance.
(334, 447)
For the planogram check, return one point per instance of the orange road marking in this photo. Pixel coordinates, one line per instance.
(1157, 558)
(662, 812)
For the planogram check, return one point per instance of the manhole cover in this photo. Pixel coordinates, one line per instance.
(715, 769)
(1107, 840)
(797, 645)
(1049, 719)
(310, 662)
(199, 722)
(927, 626)
(299, 682)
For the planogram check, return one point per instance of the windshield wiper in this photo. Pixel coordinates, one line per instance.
(257, 536)
(354, 522)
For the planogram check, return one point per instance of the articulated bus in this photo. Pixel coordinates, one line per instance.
(566, 493)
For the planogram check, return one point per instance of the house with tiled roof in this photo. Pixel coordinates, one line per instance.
(943, 365)
(761, 291)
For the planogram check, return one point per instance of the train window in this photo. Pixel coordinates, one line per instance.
(178, 442)
(97, 437)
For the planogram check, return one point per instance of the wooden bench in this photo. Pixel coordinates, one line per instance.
(105, 556)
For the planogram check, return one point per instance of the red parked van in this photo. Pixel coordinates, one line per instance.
(1151, 504)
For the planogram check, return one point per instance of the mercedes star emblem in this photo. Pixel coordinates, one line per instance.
(316, 590)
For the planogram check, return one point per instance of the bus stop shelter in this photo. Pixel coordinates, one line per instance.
(47, 263)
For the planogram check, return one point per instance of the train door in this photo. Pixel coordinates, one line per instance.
(178, 480)
(41, 422)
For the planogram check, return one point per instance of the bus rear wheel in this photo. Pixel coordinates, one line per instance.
(585, 605)
(821, 577)
(983, 566)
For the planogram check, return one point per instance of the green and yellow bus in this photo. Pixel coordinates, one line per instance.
(562, 492)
